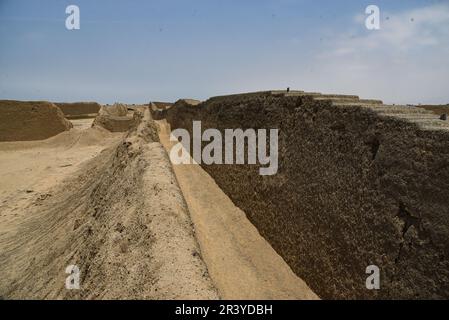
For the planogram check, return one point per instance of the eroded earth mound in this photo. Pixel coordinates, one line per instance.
(115, 118)
(30, 120)
(120, 218)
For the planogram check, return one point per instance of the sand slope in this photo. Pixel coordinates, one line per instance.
(115, 118)
(118, 215)
(241, 262)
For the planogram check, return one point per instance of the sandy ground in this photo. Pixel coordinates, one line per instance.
(241, 263)
(137, 227)
(107, 203)
(30, 169)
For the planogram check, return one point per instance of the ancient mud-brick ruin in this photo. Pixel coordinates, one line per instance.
(30, 120)
(359, 183)
(79, 110)
(115, 118)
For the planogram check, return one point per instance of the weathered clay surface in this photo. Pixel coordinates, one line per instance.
(359, 183)
(121, 218)
(30, 120)
(78, 109)
(159, 109)
(115, 118)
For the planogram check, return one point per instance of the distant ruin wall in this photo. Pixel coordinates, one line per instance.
(353, 189)
(115, 118)
(30, 120)
(437, 109)
(159, 109)
(161, 105)
(78, 109)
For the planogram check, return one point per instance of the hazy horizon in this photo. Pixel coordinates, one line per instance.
(139, 51)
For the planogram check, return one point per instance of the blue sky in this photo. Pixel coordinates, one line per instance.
(136, 51)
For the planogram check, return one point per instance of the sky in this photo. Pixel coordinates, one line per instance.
(136, 51)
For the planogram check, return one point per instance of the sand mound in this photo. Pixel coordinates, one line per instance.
(67, 139)
(78, 109)
(122, 220)
(115, 118)
(30, 120)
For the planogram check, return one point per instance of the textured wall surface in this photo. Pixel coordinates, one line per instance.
(115, 118)
(437, 109)
(30, 120)
(78, 108)
(359, 183)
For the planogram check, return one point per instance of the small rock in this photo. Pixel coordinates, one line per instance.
(119, 227)
(443, 117)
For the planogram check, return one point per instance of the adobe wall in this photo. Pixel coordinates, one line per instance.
(78, 109)
(437, 109)
(159, 109)
(115, 118)
(359, 183)
(30, 120)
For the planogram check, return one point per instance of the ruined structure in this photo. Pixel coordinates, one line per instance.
(30, 120)
(159, 109)
(78, 110)
(115, 118)
(360, 183)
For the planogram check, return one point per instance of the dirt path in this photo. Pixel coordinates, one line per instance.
(240, 261)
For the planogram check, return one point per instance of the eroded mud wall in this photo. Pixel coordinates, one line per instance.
(115, 118)
(77, 109)
(30, 120)
(353, 189)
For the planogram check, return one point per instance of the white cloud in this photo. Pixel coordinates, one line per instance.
(406, 61)
(428, 26)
